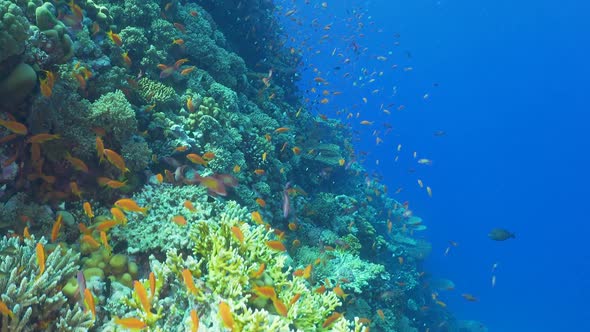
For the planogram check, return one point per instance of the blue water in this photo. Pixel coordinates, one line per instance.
(508, 83)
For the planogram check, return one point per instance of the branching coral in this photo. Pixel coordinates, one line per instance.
(231, 259)
(35, 298)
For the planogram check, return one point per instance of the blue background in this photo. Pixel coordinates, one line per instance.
(512, 96)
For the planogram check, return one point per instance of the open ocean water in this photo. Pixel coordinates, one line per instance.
(495, 93)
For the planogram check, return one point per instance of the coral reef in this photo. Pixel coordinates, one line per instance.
(34, 295)
(249, 209)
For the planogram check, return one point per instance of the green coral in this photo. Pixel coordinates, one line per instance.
(34, 297)
(343, 265)
(115, 115)
(156, 232)
(54, 30)
(155, 92)
(227, 268)
(14, 29)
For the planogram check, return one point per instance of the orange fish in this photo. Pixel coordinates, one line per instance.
(259, 171)
(159, 178)
(260, 271)
(276, 245)
(226, 315)
(130, 323)
(115, 38)
(83, 229)
(178, 41)
(208, 155)
(89, 302)
(324, 101)
(15, 127)
(152, 280)
(46, 87)
(179, 220)
(381, 314)
(265, 291)
(181, 148)
(195, 321)
(191, 108)
(5, 311)
(187, 277)
(78, 164)
(296, 243)
(195, 158)
(75, 190)
(100, 148)
(116, 160)
(257, 217)
(129, 205)
(261, 202)
(294, 299)
(106, 225)
(142, 296)
(114, 184)
(296, 150)
(90, 241)
(330, 320)
(339, 292)
(237, 169)
(187, 71)
(366, 123)
(280, 307)
(26, 233)
(189, 206)
(8, 138)
(126, 59)
(321, 289)
(282, 130)
(292, 226)
(42, 138)
(238, 233)
(105, 241)
(56, 227)
(180, 62)
(118, 215)
(40, 258)
(307, 272)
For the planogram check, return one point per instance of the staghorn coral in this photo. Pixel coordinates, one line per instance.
(340, 265)
(156, 232)
(155, 92)
(228, 269)
(35, 299)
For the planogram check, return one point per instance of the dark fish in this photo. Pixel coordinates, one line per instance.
(500, 234)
